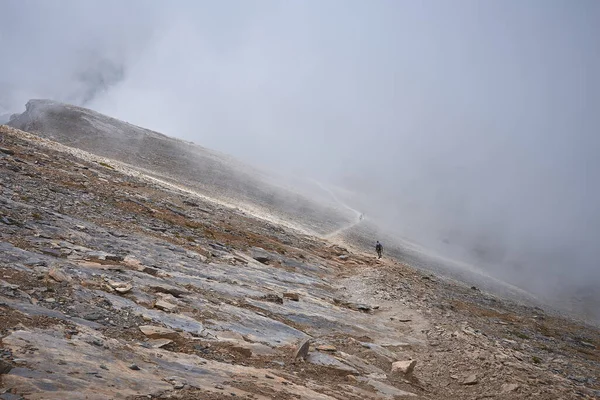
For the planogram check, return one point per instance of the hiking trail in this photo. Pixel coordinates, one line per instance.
(358, 215)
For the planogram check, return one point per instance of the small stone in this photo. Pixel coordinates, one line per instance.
(471, 380)
(509, 387)
(112, 257)
(588, 345)
(103, 367)
(4, 367)
(158, 343)
(269, 376)
(58, 275)
(273, 298)
(352, 378)
(50, 300)
(178, 385)
(94, 316)
(151, 271)
(158, 332)
(134, 367)
(292, 296)
(302, 350)
(326, 347)
(405, 367)
(125, 288)
(165, 306)
(263, 260)
(172, 290)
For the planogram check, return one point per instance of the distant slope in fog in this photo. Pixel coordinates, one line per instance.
(212, 174)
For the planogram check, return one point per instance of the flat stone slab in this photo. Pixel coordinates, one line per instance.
(158, 332)
(74, 369)
(326, 360)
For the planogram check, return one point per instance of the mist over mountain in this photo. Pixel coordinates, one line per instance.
(468, 129)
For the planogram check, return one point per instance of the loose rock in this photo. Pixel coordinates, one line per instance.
(292, 296)
(263, 260)
(58, 275)
(509, 387)
(158, 343)
(302, 350)
(405, 367)
(471, 380)
(326, 347)
(158, 332)
(4, 367)
(165, 306)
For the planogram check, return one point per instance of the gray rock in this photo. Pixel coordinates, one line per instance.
(509, 387)
(165, 306)
(273, 298)
(302, 350)
(470, 380)
(173, 290)
(587, 344)
(93, 316)
(387, 390)
(10, 396)
(329, 361)
(112, 257)
(5, 367)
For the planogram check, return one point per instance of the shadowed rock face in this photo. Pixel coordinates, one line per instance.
(177, 161)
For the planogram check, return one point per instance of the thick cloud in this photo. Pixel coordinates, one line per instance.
(469, 126)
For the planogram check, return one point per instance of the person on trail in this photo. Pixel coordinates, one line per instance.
(379, 249)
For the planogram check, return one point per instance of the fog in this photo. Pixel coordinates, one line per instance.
(471, 127)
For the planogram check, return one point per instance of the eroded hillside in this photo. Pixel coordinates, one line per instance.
(115, 286)
(180, 162)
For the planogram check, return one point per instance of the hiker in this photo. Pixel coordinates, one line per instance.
(379, 249)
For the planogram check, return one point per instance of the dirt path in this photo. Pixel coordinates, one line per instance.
(358, 215)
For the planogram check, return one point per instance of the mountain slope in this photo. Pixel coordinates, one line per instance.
(113, 286)
(177, 161)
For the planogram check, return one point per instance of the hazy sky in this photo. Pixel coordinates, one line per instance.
(477, 120)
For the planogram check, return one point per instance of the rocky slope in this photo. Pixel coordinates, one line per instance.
(179, 162)
(310, 207)
(114, 285)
